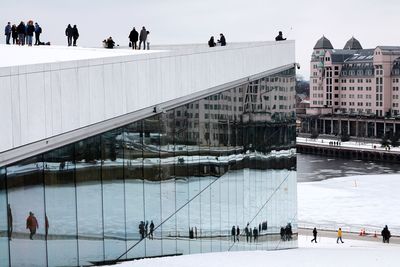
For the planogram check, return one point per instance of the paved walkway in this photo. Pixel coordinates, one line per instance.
(347, 235)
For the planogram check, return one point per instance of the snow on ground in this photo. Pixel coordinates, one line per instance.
(361, 145)
(354, 202)
(326, 253)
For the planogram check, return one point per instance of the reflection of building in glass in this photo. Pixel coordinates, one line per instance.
(175, 182)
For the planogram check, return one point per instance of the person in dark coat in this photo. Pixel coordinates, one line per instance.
(68, 33)
(282, 233)
(151, 230)
(38, 31)
(233, 233)
(143, 38)
(222, 40)
(14, 34)
(246, 231)
(32, 224)
(237, 233)
(314, 232)
(75, 34)
(30, 29)
(255, 234)
(280, 37)
(7, 32)
(21, 33)
(211, 42)
(385, 234)
(141, 229)
(134, 37)
(110, 43)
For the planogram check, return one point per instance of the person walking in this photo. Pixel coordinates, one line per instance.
(31, 224)
(142, 38)
(237, 233)
(151, 229)
(7, 32)
(38, 31)
(21, 33)
(339, 236)
(75, 35)
(222, 40)
(280, 37)
(211, 42)
(233, 233)
(30, 29)
(314, 232)
(14, 34)
(133, 38)
(385, 234)
(68, 33)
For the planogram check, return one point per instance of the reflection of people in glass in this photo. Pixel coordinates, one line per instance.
(246, 230)
(233, 233)
(32, 224)
(151, 229)
(237, 233)
(141, 229)
(10, 221)
(46, 221)
(146, 228)
(195, 231)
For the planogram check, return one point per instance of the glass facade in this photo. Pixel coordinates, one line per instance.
(216, 174)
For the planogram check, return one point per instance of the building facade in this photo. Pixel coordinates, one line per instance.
(355, 85)
(209, 172)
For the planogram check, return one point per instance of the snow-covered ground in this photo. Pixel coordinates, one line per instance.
(326, 253)
(349, 144)
(355, 202)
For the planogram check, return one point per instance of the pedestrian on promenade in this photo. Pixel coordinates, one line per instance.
(280, 37)
(38, 31)
(75, 35)
(237, 233)
(68, 33)
(133, 38)
(7, 32)
(31, 224)
(385, 234)
(339, 236)
(233, 233)
(315, 232)
(143, 38)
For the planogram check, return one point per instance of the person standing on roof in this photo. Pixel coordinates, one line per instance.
(143, 38)
(7, 32)
(133, 37)
(21, 33)
(68, 33)
(38, 31)
(75, 34)
(222, 40)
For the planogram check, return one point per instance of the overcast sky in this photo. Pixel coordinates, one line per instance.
(372, 22)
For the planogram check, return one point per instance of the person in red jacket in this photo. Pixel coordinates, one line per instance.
(32, 224)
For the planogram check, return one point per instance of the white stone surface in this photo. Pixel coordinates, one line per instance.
(46, 91)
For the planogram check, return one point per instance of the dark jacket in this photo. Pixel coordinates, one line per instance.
(110, 43)
(134, 36)
(21, 29)
(30, 30)
(14, 31)
(7, 30)
(279, 38)
(143, 35)
(315, 232)
(222, 41)
(211, 42)
(75, 32)
(68, 31)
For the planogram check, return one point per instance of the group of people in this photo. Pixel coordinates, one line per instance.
(144, 229)
(72, 34)
(286, 232)
(31, 224)
(23, 33)
(143, 37)
(385, 235)
(221, 41)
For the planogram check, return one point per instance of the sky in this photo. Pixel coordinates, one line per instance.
(372, 22)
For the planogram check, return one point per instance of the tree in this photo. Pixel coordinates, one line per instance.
(314, 134)
(385, 140)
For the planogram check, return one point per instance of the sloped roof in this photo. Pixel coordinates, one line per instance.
(323, 43)
(352, 44)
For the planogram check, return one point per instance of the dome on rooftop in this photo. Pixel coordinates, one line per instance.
(353, 44)
(323, 43)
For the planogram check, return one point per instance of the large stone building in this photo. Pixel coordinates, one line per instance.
(358, 87)
(123, 154)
